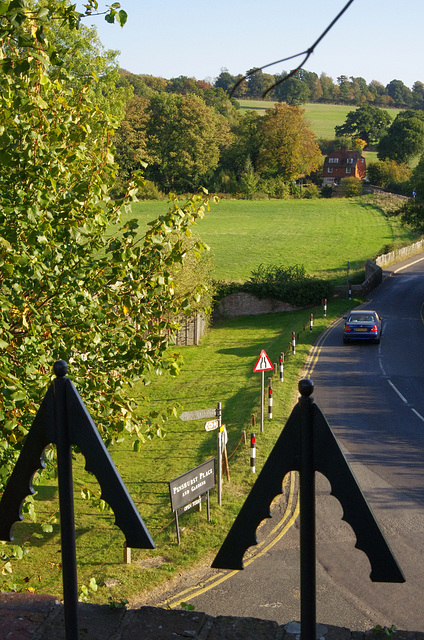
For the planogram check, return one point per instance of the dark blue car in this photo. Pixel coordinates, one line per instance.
(362, 325)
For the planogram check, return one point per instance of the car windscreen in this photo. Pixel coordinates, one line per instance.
(361, 318)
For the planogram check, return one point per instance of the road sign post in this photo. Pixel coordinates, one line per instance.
(263, 364)
(211, 425)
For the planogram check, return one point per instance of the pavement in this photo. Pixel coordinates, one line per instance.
(25, 616)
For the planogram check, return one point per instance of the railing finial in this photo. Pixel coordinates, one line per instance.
(60, 368)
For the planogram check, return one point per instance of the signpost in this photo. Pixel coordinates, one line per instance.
(211, 425)
(263, 364)
(200, 414)
(191, 488)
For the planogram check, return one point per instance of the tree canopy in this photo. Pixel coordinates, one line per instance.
(79, 282)
(404, 139)
(288, 146)
(366, 122)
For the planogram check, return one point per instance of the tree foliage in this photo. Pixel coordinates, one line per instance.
(366, 122)
(387, 173)
(404, 139)
(184, 138)
(78, 282)
(288, 146)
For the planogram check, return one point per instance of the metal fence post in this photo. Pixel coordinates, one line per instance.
(307, 515)
(66, 503)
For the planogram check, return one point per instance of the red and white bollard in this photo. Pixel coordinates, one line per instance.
(252, 452)
(350, 292)
(281, 367)
(311, 322)
(270, 398)
(294, 342)
(325, 307)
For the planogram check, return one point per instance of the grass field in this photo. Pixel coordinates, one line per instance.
(321, 117)
(323, 235)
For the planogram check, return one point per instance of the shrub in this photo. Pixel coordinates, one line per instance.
(327, 191)
(351, 187)
(289, 284)
(311, 191)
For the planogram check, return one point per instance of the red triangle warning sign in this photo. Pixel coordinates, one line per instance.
(263, 363)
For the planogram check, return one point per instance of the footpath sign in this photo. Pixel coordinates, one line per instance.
(200, 414)
(192, 488)
(263, 364)
(211, 425)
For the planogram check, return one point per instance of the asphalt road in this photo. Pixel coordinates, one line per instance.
(372, 396)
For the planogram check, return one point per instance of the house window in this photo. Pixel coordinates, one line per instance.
(330, 169)
(333, 160)
(349, 160)
(348, 170)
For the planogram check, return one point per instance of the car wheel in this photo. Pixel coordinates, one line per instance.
(345, 341)
(377, 341)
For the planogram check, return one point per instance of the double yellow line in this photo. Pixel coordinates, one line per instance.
(281, 528)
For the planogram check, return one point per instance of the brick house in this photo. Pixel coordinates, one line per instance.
(343, 164)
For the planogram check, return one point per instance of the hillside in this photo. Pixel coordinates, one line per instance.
(322, 117)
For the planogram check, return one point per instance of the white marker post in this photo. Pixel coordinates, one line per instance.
(325, 307)
(270, 398)
(220, 429)
(263, 364)
(281, 367)
(252, 452)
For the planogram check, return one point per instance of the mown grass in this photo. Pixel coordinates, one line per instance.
(323, 235)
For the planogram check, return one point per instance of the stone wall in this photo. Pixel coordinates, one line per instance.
(400, 254)
(245, 304)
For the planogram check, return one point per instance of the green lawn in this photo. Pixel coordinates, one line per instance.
(323, 235)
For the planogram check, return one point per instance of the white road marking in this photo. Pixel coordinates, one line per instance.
(406, 266)
(418, 414)
(397, 391)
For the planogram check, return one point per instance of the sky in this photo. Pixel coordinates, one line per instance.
(375, 39)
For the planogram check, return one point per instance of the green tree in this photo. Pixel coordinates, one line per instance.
(418, 95)
(404, 139)
(93, 69)
(293, 91)
(77, 282)
(328, 88)
(366, 122)
(244, 146)
(258, 83)
(131, 140)
(351, 187)
(287, 144)
(400, 93)
(184, 138)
